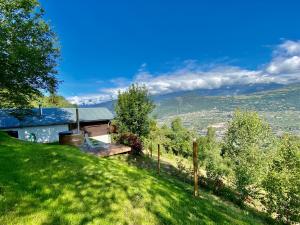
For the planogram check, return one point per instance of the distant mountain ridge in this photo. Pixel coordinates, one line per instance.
(280, 99)
(224, 91)
(225, 98)
(198, 109)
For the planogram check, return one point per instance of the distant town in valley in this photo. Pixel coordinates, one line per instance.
(280, 107)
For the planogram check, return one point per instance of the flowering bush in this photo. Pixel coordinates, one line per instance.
(133, 141)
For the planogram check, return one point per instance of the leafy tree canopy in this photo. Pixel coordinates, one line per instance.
(132, 111)
(28, 54)
(181, 138)
(282, 181)
(248, 144)
(246, 130)
(53, 100)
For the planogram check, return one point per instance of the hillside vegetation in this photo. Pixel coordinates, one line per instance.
(53, 184)
(285, 98)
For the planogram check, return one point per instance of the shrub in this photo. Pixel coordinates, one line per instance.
(133, 141)
(216, 170)
(165, 133)
(210, 158)
(183, 170)
(155, 137)
(282, 182)
(180, 138)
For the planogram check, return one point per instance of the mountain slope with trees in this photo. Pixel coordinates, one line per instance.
(281, 99)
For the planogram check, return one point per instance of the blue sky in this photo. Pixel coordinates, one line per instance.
(106, 45)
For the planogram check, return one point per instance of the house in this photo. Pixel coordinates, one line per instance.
(45, 124)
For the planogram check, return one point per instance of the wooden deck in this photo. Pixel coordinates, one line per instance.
(113, 149)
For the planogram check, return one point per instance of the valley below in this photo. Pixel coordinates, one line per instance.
(199, 109)
(279, 107)
(281, 122)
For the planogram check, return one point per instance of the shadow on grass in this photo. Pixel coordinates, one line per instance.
(51, 184)
(169, 171)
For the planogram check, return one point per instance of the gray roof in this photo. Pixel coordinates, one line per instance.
(52, 116)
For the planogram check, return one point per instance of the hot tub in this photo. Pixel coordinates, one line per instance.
(69, 138)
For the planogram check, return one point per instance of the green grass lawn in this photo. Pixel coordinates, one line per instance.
(53, 184)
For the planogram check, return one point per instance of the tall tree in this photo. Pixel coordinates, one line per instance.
(132, 111)
(28, 53)
(248, 142)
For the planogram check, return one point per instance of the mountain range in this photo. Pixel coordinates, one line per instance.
(255, 97)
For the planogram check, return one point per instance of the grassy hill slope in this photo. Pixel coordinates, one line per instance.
(52, 184)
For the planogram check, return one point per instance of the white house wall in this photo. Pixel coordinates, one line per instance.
(44, 134)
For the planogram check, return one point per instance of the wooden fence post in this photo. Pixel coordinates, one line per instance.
(158, 158)
(195, 162)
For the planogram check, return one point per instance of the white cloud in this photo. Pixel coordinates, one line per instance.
(284, 65)
(90, 99)
(286, 59)
(191, 79)
(283, 68)
(289, 48)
